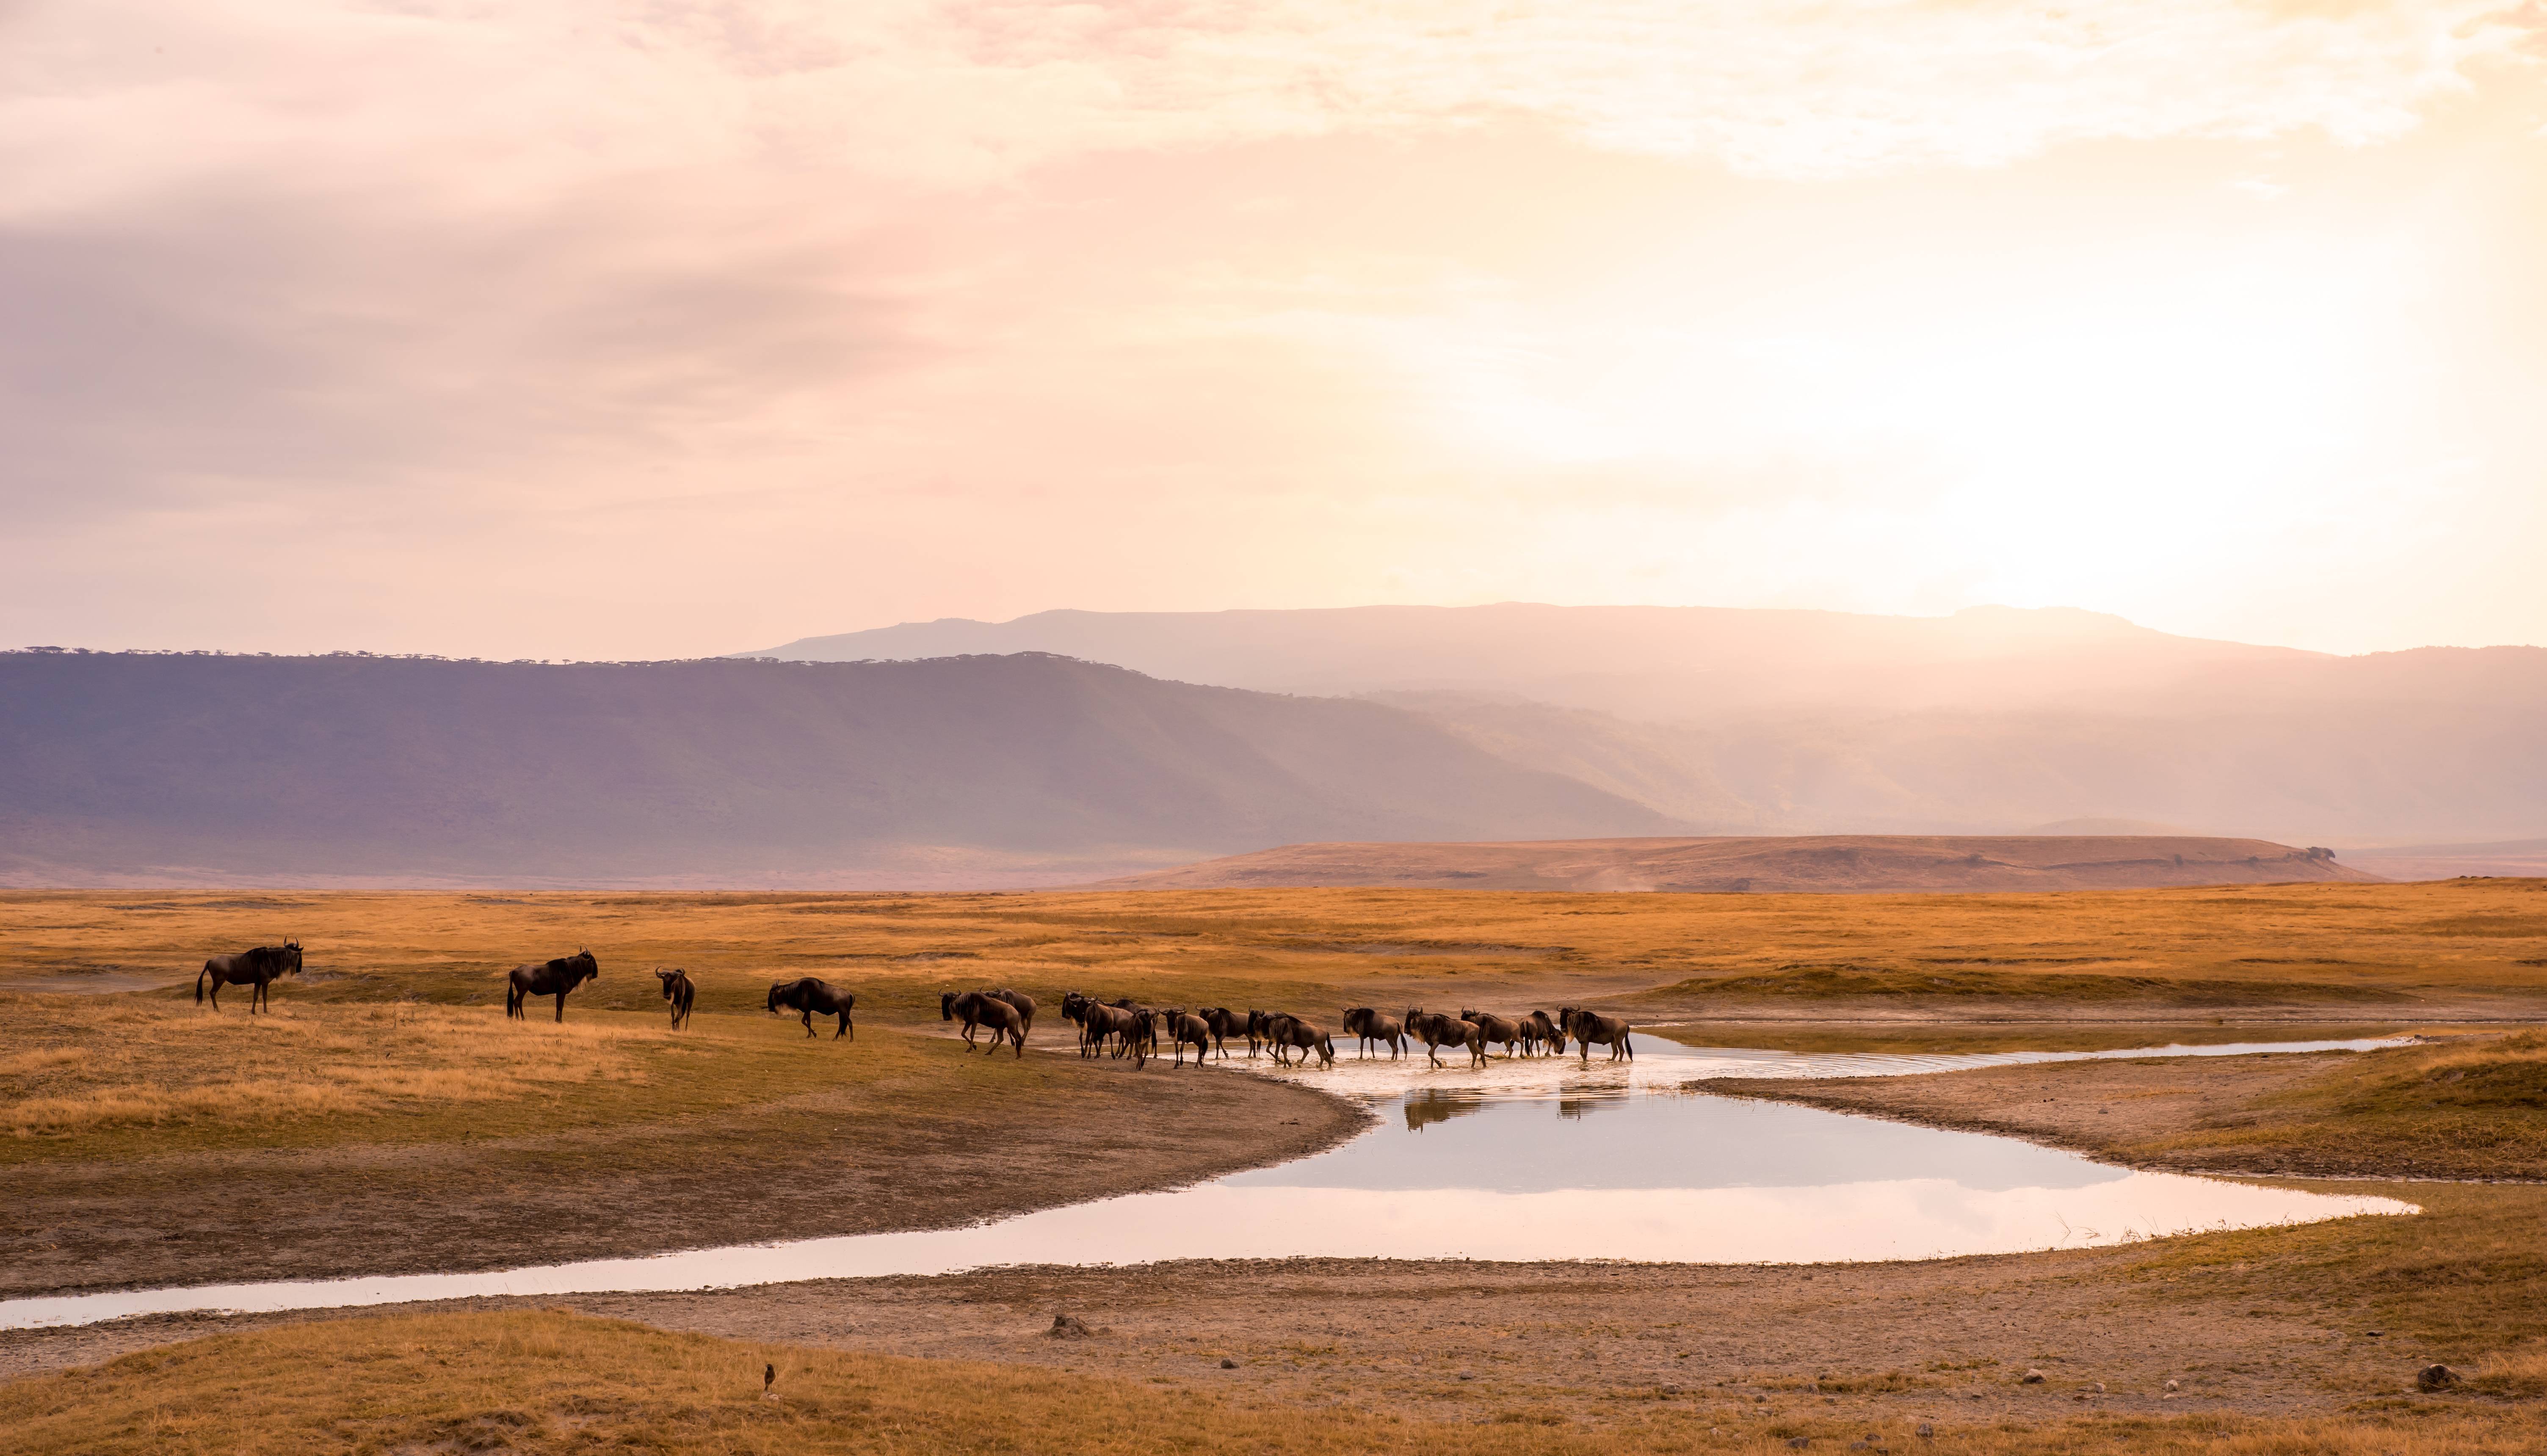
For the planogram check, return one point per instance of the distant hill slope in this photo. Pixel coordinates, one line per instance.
(711, 772)
(1860, 863)
(1986, 722)
(1643, 662)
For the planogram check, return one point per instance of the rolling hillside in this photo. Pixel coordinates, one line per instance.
(1988, 721)
(165, 768)
(1830, 863)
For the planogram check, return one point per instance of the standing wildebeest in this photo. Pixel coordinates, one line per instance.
(555, 979)
(679, 991)
(1368, 1026)
(1286, 1031)
(1437, 1031)
(254, 969)
(1189, 1030)
(1098, 1021)
(1538, 1027)
(1224, 1024)
(1587, 1028)
(812, 997)
(1492, 1031)
(980, 1009)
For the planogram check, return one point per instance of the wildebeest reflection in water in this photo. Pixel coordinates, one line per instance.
(1574, 1108)
(1424, 1108)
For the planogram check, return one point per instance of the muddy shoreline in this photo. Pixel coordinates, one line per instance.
(802, 1168)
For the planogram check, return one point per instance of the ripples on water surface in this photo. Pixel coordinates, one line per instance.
(1544, 1159)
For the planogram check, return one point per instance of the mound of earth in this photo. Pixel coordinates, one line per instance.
(1828, 863)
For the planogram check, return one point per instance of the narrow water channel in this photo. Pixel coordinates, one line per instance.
(1541, 1159)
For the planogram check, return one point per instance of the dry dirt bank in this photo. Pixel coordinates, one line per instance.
(824, 1163)
(1888, 1344)
(2472, 1107)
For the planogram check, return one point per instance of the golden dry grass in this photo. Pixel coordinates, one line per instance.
(553, 1382)
(2349, 950)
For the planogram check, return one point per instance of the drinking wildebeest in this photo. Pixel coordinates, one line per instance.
(1189, 1030)
(812, 998)
(980, 1009)
(679, 993)
(1368, 1026)
(1587, 1028)
(256, 970)
(1538, 1027)
(1437, 1031)
(1224, 1024)
(1286, 1031)
(555, 979)
(1492, 1031)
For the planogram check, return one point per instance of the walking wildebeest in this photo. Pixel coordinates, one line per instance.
(1587, 1028)
(980, 1009)
(1024, 1004)
(1368, 1026)
(256, 970)
(1258, 1025)
(555, 979)
(1538, 1027)
(1189, 1030)
(1286, 1031)
(1492, 1031)
(1437, 1031)
(811, 997)
(1224, 1024)
(679, 991)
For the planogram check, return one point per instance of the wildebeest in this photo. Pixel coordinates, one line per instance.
(1492, 1031)
(1587, 1027)
(1186, 1029)
(1258, 1026)
(255, 969)
(1368, 1026)
(1284, 1031)
(1224, 1024)
(1024, 1004)
(553, 978)
(679, 993)
(1538, 1028)
(980, 1009)
(1437, 1031)
(1098, 1021)
(814, 998)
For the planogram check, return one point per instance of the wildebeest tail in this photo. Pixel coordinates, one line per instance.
(199, 982)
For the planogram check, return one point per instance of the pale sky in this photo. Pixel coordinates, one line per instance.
(564, 329)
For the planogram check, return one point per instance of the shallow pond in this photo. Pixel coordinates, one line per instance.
(1541, 1159)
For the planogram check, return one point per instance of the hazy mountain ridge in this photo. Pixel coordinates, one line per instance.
(1738, 865)
(421, 767)
(1986, 722)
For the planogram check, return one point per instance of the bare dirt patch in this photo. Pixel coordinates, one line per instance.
(942, 1145)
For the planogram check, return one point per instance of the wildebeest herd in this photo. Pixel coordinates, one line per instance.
(1122, 1028)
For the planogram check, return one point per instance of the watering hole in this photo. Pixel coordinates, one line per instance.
(1529, 1160)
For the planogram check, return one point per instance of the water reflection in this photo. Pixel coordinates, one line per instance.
(1475, 1169)
(1432, 1105)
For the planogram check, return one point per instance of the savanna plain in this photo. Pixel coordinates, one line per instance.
(387, 1118)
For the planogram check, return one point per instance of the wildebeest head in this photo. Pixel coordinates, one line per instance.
(775, 987)
(946, 1005)
(291, 958)
(669, 978)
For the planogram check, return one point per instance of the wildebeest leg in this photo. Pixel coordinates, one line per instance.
(843, 1029)
(809, 1023)
(560, 1016)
